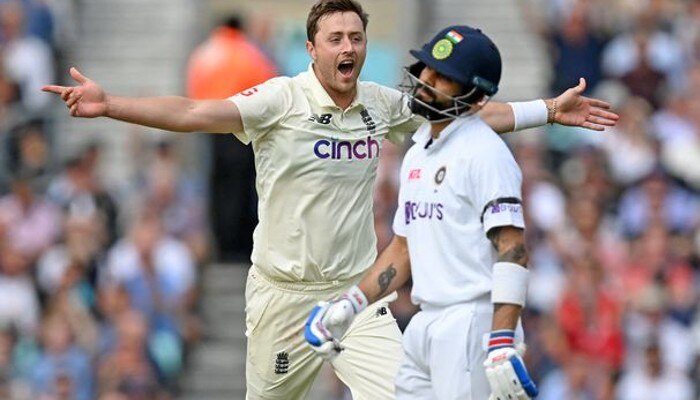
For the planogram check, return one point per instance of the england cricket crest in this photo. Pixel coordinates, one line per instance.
(282, 363)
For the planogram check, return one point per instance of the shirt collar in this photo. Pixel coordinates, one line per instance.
(322, 97)
(422, 135)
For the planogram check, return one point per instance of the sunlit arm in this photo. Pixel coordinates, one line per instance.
(391, 271)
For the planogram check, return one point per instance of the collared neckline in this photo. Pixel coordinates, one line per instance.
(322, 96)
(422, 135)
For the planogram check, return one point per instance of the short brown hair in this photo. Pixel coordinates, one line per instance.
(325, 7)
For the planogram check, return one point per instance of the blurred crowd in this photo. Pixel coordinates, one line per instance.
(98, 285)
(613, 218)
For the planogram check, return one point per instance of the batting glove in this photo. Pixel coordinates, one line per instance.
(505, 369)
(329, 321)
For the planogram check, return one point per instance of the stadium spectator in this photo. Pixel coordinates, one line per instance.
(63, 365)
(178, 199)
(652, 381)
(30, 223)
(27, 60)
(158, 273)
(19, 304)
(227, 62)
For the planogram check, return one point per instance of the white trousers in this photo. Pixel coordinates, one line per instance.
(444, 352)
(281, 366)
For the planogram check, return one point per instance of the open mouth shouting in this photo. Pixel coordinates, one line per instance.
(346, 68)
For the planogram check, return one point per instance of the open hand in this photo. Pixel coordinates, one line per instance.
(87, 100)
(574, 109)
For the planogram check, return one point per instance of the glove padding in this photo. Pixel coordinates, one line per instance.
(329, 321)
(507, 375)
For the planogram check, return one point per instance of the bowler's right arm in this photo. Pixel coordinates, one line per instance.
(171, 113)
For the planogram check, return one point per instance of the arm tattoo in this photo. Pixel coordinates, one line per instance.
(517, 255)
(385, 278)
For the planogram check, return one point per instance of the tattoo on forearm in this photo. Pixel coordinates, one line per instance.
(517, 254)
(385, 278)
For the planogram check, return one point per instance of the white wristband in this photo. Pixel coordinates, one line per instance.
(529, 114)
(509, 283)
(357, 298)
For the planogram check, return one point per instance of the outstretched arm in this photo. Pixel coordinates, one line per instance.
(570, 108)
(177, 114)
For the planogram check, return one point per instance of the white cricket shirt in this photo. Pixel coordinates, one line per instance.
(316, 166)
(444, 191)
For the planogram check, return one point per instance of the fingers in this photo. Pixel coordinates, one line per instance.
(510, 380)
(505, 383)
(327, 351)
(337, 347)
(597, 103)
(75, 74)
(66, 94)
(593, 127)
(600, 120)
(578, 89)
(607, 115)
(496, 389)
(72, 100)
(54, 89)
(506, 380)
(69, 95)
(597, 124)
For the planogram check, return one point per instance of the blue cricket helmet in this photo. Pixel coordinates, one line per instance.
(465, 55)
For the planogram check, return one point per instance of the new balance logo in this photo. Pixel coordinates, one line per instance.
(282, 363)
(324, 119)
(380, 311)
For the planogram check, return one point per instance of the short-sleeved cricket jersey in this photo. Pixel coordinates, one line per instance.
(316, 165)
(448, 201)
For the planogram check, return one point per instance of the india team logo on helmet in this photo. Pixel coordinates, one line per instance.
(463, 54)
(443, 47)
